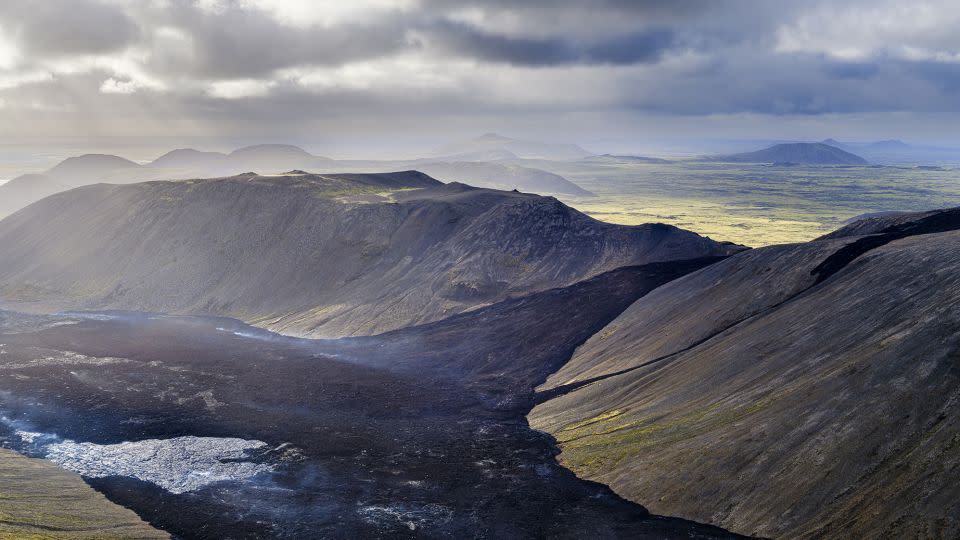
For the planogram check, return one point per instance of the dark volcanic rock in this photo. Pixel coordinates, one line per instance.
(319, 255)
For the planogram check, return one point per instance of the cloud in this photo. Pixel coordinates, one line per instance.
(115, 86)
(68, 27)
(238, 89)
(465, 40)
(232, 65)
(851, 70)
(239, 40)
(648, 46)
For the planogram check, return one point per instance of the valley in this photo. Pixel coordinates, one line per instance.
(409, 433)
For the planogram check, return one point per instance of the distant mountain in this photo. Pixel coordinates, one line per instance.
(611, 158)
(186, 163)
(90, 168)
(25, 190)
(521, 148)
(892, 144)
(802, 153)
(748, 393)
(263, 158)
(267, 158)
(315, 255)
(188, 158)
(886, 145)
(503, 176)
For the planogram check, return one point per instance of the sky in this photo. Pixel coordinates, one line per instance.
(586, 71)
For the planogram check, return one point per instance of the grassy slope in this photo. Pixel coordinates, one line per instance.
(39, 500)
(830, 412)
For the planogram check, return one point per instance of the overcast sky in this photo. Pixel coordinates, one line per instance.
(580, 70)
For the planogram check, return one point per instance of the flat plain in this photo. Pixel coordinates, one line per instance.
(753, 204)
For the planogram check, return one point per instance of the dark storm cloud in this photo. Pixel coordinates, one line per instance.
(648, 46)
(468, 41)
(850, 70)
(228, 61)
(944, 75)
(68, 27)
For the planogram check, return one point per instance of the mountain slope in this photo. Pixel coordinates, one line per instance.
(803, 153)
(318, 255)
(25, 190)
(768, 397)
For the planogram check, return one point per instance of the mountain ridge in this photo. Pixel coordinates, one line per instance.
(373, 252)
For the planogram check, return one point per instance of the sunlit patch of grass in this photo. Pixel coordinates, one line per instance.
(39, 500)
(755, 205)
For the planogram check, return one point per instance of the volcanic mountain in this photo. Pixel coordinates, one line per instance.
(308, 254)
(89, 168)
(799, 391)
(188, 158)
(275, 157)
(801, 153)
